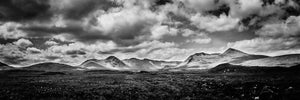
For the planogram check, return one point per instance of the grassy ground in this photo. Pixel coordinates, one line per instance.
(108, 85)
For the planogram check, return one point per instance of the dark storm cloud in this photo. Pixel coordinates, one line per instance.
(268, 2)
(5, 41)
(52, 57)
(75, 52)
(124, 38)
(77, 31)
(22, 10)
(224, 9)
(77, 9)
(163, 2)
(291, 11)
(123, 50)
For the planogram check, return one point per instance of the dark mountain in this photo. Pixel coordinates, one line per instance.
(229, 68)
(51, 67)
(115, 62)
(110, 63)
(4, 66)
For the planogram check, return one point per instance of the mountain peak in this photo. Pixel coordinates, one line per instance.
(232, 51)
(116, 62)
(112, 58)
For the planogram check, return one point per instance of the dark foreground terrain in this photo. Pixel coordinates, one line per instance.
(114, 85)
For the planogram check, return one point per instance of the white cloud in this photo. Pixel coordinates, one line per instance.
(133, 22)
(280, 1)
(289, 28)
(10, 30)
(191, 33)
(23, 43)
(244, 8)
(213, 23)
(33, 50)
(200, 40)
(51, 43)
(158, 31)
(172, 53)
(266, 45)
(64, 37)
(98, 46)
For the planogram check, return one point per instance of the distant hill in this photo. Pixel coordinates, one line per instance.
(110, 63)
(4, 66)
(51, 67)
(206, 61)
(229, 68)
(283, 61)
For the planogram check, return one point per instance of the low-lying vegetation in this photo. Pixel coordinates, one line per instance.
(118, 85)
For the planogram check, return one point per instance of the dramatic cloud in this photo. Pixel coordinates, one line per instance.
(22, 10)
(77, 9)
(213, 23)
(267, 45)
(246, 8)
(289, 28)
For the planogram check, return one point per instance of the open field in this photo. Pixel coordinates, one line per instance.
(112, 85)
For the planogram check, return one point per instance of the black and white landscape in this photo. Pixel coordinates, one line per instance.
(149, 49)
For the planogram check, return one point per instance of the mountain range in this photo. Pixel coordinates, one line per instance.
(196, 61)
(206, 61)
(133, 64)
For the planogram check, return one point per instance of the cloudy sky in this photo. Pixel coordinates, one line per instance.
(71, 31)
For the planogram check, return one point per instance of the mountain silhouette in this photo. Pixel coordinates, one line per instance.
(4, 66)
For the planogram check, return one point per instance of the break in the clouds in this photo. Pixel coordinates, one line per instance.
(71, 31)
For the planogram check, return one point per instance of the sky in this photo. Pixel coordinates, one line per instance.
(72, 31)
